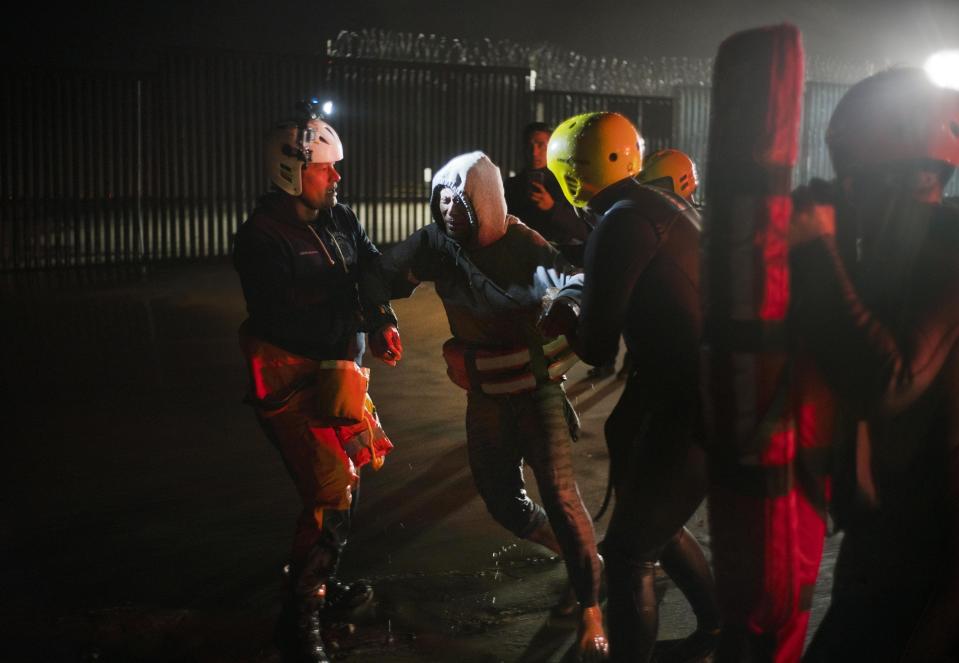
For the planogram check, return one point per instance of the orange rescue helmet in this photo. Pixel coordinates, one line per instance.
(675, 165)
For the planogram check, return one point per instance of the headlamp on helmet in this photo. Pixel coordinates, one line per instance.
(294, 143)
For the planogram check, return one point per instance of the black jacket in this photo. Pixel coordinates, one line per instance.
(493, 288)
(493, 295)
(310, 289)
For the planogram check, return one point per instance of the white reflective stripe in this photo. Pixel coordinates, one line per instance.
(558, 346)
(524, 383)
(502, 362)
(561, 365)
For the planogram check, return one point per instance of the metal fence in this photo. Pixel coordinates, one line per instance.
(652, 115)
(68, 173)
(117, 168)
(108, 168)
(559, 68)
(691, 126)
(401, 122)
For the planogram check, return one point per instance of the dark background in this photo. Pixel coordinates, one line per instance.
(146, 518)
(124, 34)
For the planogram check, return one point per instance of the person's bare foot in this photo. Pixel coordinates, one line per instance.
(592, 645)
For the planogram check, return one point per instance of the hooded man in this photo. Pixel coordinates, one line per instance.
(492, 274)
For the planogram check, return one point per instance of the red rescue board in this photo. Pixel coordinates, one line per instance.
(766, 534)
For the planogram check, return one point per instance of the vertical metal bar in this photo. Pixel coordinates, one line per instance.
(177, 137)
(140, 244)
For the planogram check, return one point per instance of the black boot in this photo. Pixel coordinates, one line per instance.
(310, 632)
(343, 600)
(300, 631)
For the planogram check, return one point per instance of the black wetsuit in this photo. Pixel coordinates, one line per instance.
(642, 281)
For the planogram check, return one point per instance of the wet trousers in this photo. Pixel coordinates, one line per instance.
(501, 433)
(327, 484)
(659, 479)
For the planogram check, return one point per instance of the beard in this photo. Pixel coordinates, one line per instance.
(330, 198)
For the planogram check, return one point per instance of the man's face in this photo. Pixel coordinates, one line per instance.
(536, 150)
(454, 215)
(319, 185)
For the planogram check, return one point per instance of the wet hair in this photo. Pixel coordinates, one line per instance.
(535, 127)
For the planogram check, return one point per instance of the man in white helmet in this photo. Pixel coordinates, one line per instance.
(311, 279)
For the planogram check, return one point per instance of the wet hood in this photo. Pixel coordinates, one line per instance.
(477, 182)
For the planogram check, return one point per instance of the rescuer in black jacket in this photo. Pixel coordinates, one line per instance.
(641, 281)
(313, 288)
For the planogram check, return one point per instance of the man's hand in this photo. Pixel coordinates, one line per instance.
(540, 197)
(811, 218)
(560, 318)
(386, 346)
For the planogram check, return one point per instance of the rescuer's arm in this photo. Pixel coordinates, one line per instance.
(618, 251)
(878, 370)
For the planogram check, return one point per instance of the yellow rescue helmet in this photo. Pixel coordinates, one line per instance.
(589, 152)
(675, 166)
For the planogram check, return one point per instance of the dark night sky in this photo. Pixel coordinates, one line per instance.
(113, 32)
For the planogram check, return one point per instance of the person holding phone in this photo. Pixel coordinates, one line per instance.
(534, 196)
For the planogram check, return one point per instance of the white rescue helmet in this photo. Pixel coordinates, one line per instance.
(291, 145)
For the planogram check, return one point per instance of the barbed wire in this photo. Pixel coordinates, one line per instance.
(562, 69)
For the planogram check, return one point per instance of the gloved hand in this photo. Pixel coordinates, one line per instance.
(386, 346)
(560, 317)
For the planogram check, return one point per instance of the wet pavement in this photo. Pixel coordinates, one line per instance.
(147, 519)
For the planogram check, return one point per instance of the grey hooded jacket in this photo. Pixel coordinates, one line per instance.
(494, 286)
